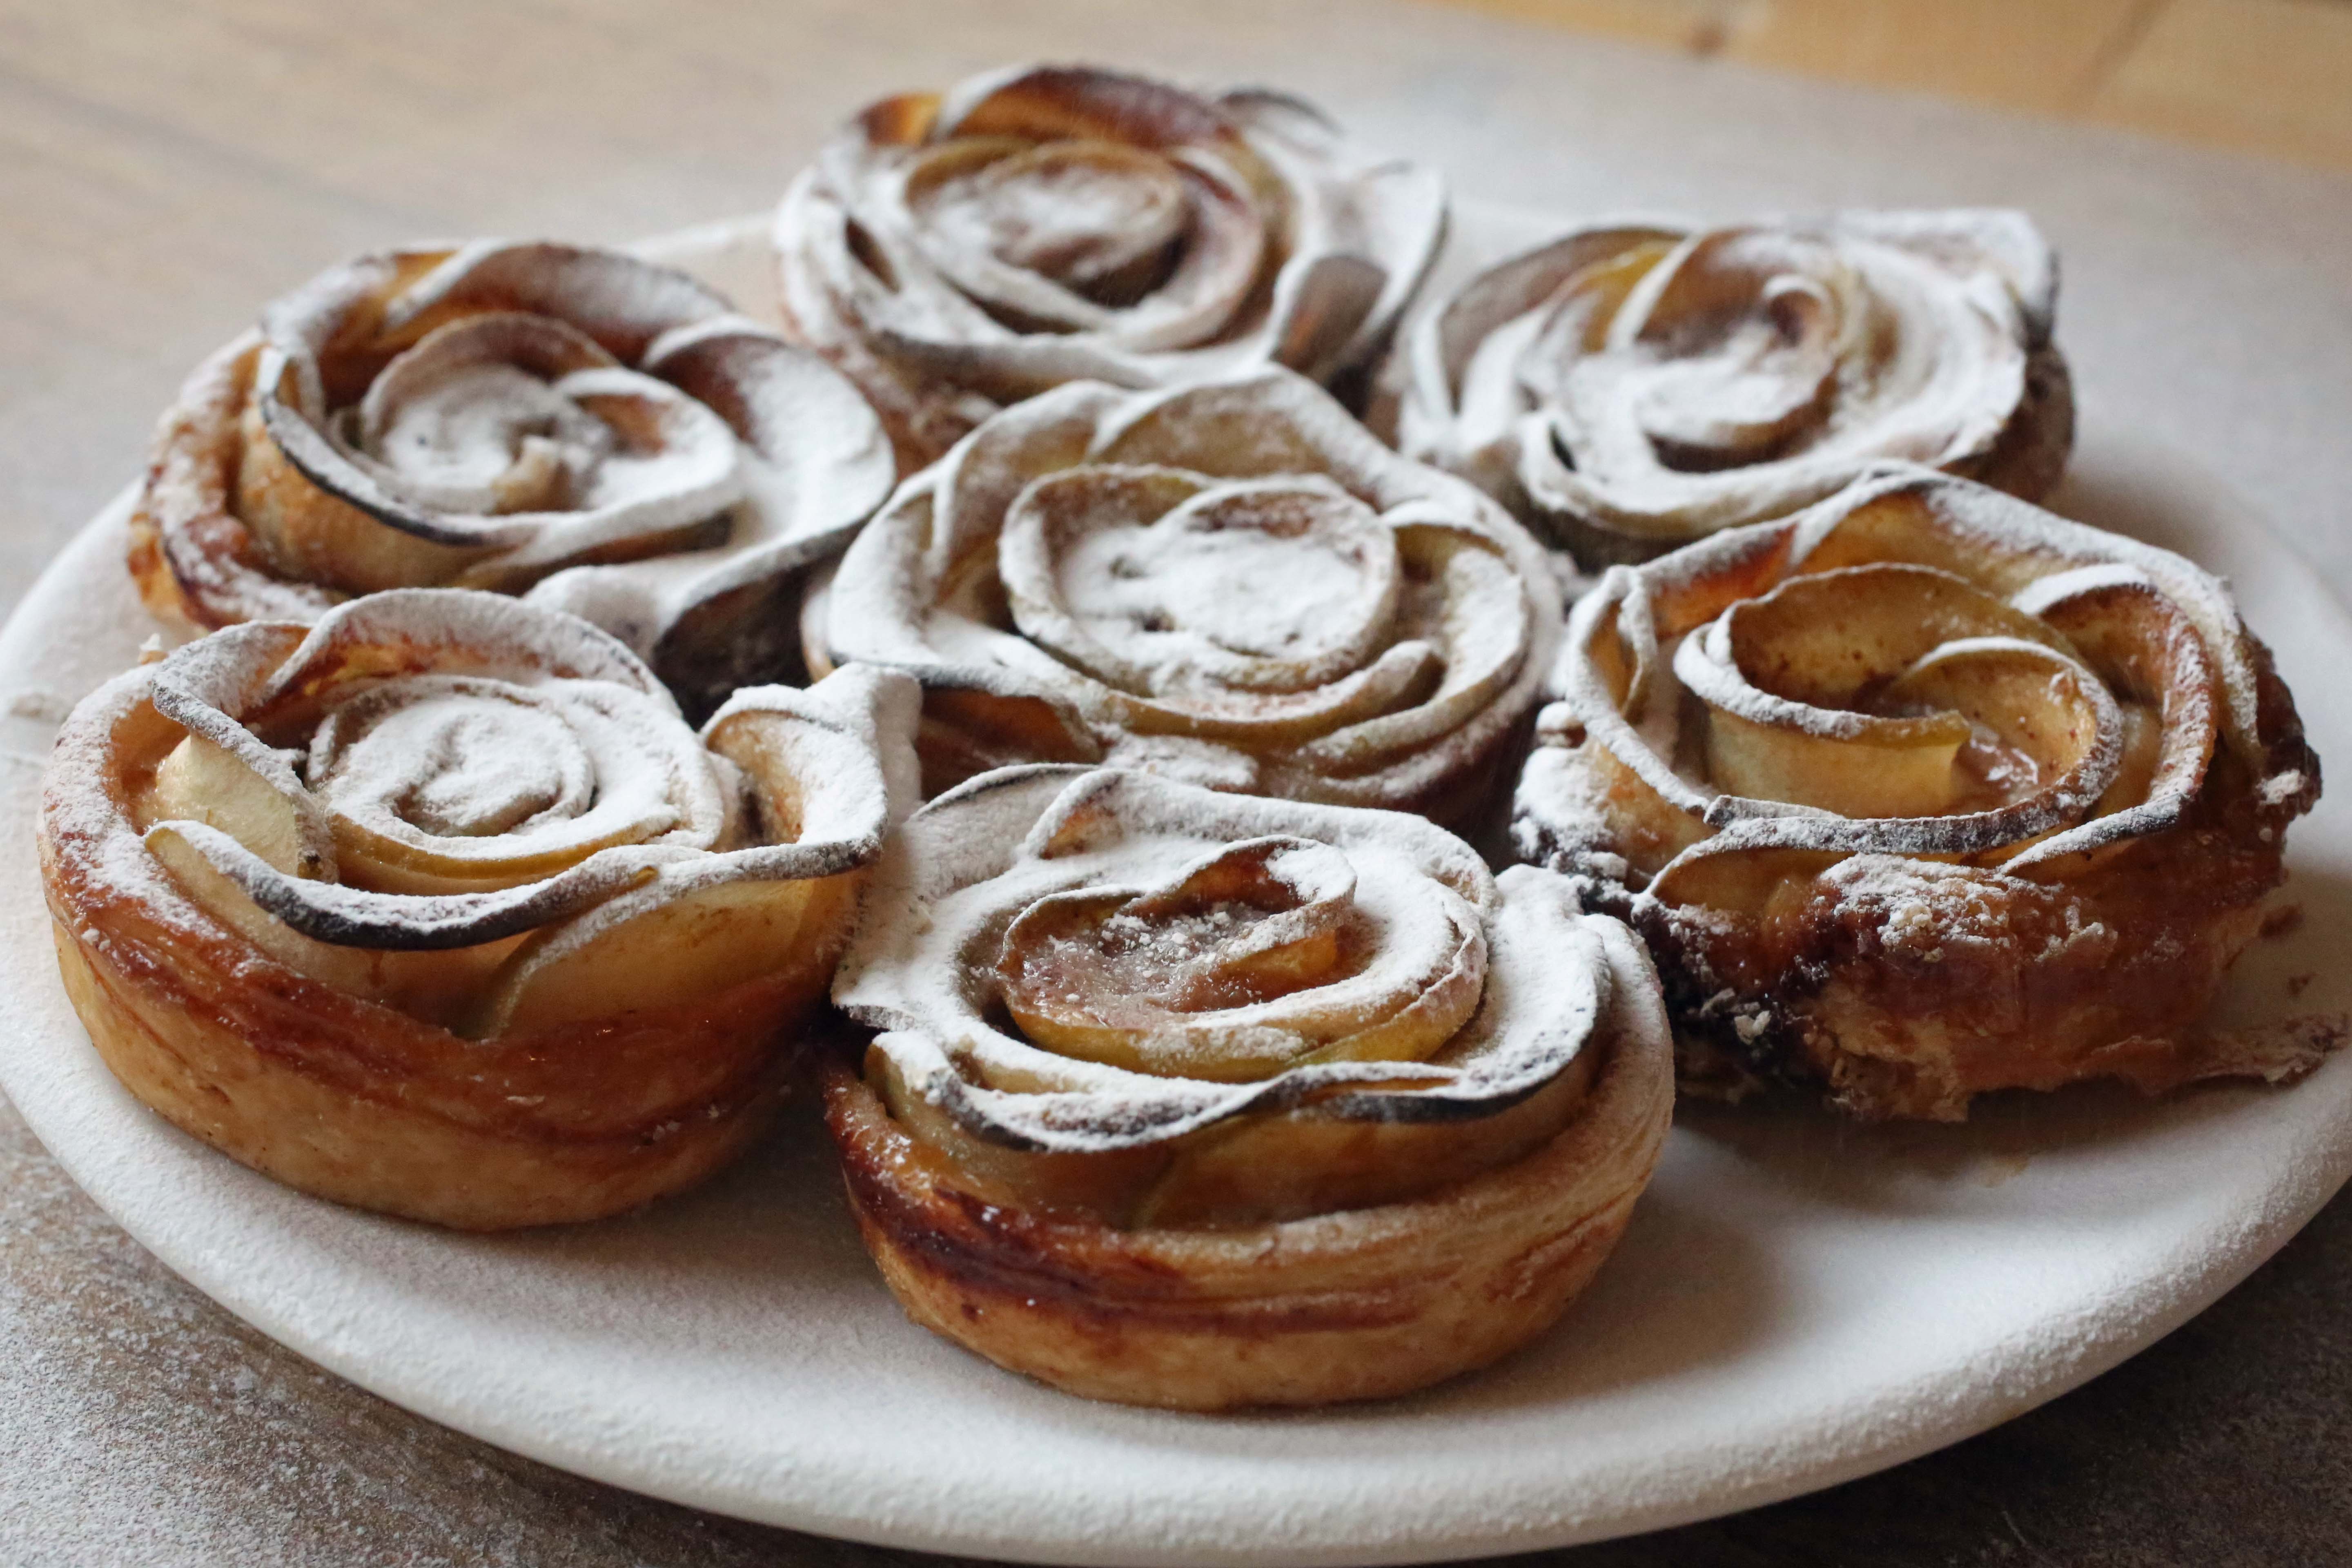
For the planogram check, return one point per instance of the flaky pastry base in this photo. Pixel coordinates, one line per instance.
(1902, 981)
(2032, 986)
(2102, 970)
(1364, 1304)
(357, 1102)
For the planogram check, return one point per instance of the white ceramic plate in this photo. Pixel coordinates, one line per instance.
(1798, 1302)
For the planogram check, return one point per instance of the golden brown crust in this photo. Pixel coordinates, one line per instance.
(2027, 935)
(1361, 1305)
(2024, 986)
(482, 1060)
(366, 1106)
(598, 432)
(1629, 387)
(1199, 1101)
(955, 253)
(197, 565)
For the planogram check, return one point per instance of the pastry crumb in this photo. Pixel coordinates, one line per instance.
(2286, 918)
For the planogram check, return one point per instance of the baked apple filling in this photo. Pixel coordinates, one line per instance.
(447, 879)
(1924, 793)
(1131, 1018)
(1232, 583)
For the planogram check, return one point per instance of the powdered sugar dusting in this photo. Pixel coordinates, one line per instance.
(1136, 541)
(1925, 908)
(463, 788)
(2042, 567)
(1032, 234)
(567, 404)
(1656, 382)
(1127, 867)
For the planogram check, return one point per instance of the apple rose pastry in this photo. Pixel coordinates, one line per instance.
(958, 252)
(1191, 1100)
(602, 433)
(1232, 582)
(1630, 388)
(1925, 792)
(438, 908)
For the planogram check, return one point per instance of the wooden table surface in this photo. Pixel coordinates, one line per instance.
(2265, 76)
(166, 168)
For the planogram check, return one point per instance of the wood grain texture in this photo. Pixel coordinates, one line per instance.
(2023, 54)
(2267, 75)
(163, 169)
(1696, 26)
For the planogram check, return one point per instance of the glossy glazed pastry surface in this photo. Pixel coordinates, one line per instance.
(1923, 793)
(957, 252)
(1195, 1099)
(1629, 388)
(604, 433)
(437, 907)
(1232, 583)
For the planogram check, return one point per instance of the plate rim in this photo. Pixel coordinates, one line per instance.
(2305, 1185)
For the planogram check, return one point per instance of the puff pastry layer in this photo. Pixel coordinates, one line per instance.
(957, 252)
(1232, 582)
(1629, 387)
(1923, 793)
(437, 907)
(1188, 1100)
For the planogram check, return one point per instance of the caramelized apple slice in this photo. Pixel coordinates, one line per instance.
(1297, 1163)
(662, 946)
(201, 782)
(311, 535)
(1867, 767)
(438, 987)
(1249, 959)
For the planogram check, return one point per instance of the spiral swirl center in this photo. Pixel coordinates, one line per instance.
(1166, 583)
(1257, 922)
(1897, 690)
(1097, 217)
(508, 414)
(1242, 963)
(479, 767)
(463, 779)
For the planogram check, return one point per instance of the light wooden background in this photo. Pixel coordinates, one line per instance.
(2263, 75)
(165, 166)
